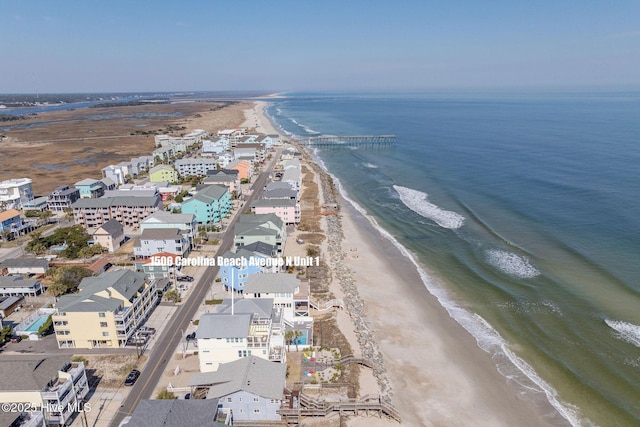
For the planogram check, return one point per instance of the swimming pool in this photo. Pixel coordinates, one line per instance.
(36, 325)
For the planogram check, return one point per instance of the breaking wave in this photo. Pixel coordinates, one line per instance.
(625, 331)
(512, 264)
(417, 202)
(370, 165)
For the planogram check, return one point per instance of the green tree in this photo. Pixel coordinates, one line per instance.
(173, 296)
(288, 337)
(66, 279)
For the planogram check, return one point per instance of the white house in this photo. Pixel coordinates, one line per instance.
(251, 388)
(15, 192)
(249, 327)
(154, 240)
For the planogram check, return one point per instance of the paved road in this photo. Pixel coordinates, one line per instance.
(169, 339)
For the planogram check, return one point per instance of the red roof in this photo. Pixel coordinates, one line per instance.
(167, 256)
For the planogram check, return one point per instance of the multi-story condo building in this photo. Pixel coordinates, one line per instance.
(249, 327)
(62, 198)
(106, 311)
(195, 166)
(15, 192)
(209, 205)
(127, 210)
(53, 384)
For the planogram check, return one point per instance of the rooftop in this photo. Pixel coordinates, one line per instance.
(174, 413)
(26, 372)
(251, 374)
(272, 283)
(8, 214)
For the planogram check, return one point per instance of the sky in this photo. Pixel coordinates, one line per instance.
(126, 46)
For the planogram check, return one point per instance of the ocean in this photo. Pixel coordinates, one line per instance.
(523, 212)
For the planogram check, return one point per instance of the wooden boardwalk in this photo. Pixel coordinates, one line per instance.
(341, 141)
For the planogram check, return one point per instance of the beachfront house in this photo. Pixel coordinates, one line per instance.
(251, 388)
(238, 266)
(253, 328)
(286, 209)
(179, 413)
(292, 177)
(267, 228)
(15, 192)
(281, 193)
(158, 266)
(62, 198)
(184, 222)
(51, 386)
(90, 188)
(163, 173)
(214, 147)
(289, 293)
(209, 205)
(106, 310)
(109, 235)
(154, 240)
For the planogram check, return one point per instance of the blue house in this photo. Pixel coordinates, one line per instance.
(90, 188)
(210, 205)
(10, 221)
(237, 267)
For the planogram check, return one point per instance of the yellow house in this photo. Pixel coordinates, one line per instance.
(48, 390)
(163, 173)
(106, 311)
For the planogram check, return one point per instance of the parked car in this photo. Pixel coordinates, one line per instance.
(191, 336)
(132, 377)
(184, 279)
(16, 339)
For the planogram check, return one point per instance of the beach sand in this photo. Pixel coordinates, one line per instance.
(438, 374)
(255, 118)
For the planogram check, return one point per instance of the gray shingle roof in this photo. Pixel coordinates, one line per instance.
(250, 374)
(280, 193)
(274, 203)
(262, 307)
(86, 181)
(113, 227)
(261, 219)
(25, 262)
(260, 247)
(216, 325)
(160, 234)
(277, 185)
(174, 413)
(210, 193)
(125, 282)
(30, 372)
(271, 283)
(16, 282)
(168, 217)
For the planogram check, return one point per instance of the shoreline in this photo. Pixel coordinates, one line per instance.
(430, 367)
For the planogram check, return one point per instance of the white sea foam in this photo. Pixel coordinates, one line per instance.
(370, 165)
(512, 264)
(417, 202)
(625, 331)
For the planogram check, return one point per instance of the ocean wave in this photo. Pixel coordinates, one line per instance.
(417, 202)
(625, 331)
(512, 264)
(370, 165)
(488, 339)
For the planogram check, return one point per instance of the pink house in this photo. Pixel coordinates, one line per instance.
(286, 209)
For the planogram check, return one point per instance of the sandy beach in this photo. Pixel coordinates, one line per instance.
(433, 370)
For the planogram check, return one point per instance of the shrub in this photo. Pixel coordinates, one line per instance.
(166, 395)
